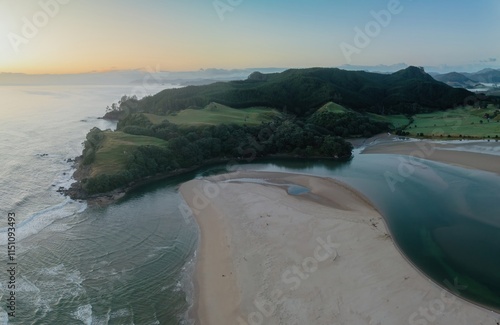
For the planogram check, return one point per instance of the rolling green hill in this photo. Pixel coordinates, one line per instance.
(333, 108)
(299, 113)
(214, 114)
(302, 91)
(115, 148)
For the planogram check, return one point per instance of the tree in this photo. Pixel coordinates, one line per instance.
(288, 136)
(336, 147)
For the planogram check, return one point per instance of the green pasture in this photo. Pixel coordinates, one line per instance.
(334, 108)
(111, 157)
(456, 123)
(215, 114)
(398, 121)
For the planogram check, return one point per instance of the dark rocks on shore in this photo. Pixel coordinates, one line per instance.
(76, 191)
(113, 115)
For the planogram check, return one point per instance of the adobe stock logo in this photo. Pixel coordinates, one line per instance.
(31, 27)
(223, 6)
(372, 29)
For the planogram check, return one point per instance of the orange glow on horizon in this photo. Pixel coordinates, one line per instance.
(73, 37)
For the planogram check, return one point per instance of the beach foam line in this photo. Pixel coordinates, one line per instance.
(43, 218)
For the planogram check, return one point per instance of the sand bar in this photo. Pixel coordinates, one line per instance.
(325, 257)
(457, 154)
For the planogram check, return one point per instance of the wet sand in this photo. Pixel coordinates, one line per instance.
(480, 155)
(324, 257)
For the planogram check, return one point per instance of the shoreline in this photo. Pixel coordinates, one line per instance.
(447, 153)
(369, 222)
(377, 144)
(76, 192)
(380, 147)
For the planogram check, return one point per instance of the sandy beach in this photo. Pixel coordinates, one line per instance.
(469, 155)
(323, 257)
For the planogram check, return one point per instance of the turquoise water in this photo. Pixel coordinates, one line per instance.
(445, 219)
(131, 263)
(297, 190)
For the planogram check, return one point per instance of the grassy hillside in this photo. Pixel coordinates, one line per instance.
(334, 108)
(215, 114)
(304, 112)
(114, 149)
(148, 145)
(398, 121)
(455, 123)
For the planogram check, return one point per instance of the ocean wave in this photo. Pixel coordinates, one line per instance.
(124, 312)
(64, 181)
(84, 314)
(47, 288)
(43, 218)
(186, 284)
(4, 318)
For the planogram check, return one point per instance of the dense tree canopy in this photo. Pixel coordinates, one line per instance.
(302, 91)
(193, 146)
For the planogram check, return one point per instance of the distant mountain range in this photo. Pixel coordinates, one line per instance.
(155, 76)
(142, 77)
(471, 80)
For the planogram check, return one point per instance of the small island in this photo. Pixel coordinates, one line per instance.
(305, 113)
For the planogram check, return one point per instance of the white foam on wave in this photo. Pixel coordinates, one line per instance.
(49, 286)
(65, 179)
(124, 312)
(84, 314)
(4, 318)
(26, 285)
(41, 219)
(187, 285)
(42, 305)
(71, 278)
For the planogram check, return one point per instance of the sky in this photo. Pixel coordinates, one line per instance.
(77, 36)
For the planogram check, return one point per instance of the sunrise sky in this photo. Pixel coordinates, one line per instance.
(73, 36)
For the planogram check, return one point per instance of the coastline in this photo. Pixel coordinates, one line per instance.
(404, 148)
(76, 192)
(265, 231)
(448, 153)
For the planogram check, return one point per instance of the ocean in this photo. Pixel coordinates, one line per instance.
(132, 262)
(126, 264)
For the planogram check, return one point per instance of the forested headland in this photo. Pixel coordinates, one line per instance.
(298, 113)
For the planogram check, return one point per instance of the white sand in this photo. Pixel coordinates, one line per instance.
(459, 154)
(267, 257)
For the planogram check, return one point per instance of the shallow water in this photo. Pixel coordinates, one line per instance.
(291, 189)
(125, 264)
(131, 263)
(445, 219)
